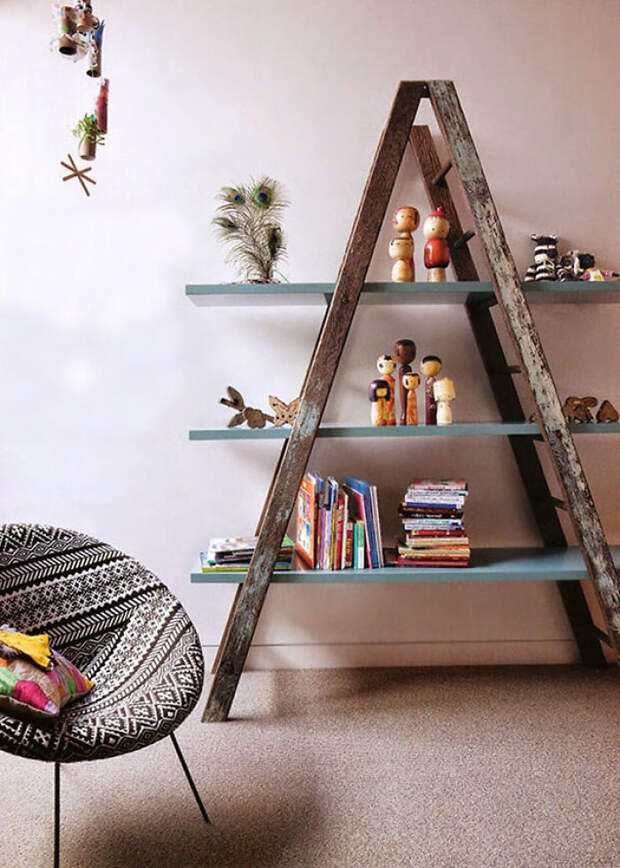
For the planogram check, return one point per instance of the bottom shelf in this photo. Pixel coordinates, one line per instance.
(486, 565)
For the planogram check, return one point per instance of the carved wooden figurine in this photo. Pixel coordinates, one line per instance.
(411, 382)
(578, 409)
(379, 397)
(436, 251)
(386, 367)
(405, 221)
(404, 354)
(444, 394)
(430, 367)
(607, 412)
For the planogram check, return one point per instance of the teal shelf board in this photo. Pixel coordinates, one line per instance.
(487, 565)
(331, 429)
(246, 294)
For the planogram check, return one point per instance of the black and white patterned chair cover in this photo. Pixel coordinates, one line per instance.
(118, 623)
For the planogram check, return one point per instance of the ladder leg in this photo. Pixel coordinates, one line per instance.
(512, 302)
(508, 402)
(314, 394)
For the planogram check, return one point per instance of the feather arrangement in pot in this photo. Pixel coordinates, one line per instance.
(249, 220)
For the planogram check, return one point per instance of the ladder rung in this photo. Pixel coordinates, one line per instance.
(439, 180)
(462, 241)
(558, 503)
(602, 635)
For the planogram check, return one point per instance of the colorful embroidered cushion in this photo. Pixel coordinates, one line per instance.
(38, 689)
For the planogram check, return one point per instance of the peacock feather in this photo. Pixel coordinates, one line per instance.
(248, 220)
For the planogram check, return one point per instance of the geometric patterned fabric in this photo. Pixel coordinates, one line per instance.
(117, 623)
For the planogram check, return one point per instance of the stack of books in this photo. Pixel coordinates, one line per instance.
(338, 525)
(228, 554)
(432, 515)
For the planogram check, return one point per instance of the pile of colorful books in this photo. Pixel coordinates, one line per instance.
(229, 554)
(432, 515)
(338, 525)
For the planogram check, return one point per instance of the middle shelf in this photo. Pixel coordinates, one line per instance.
(335, 429)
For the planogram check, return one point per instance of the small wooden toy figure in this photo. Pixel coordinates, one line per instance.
(404, 354)
(607, 412)
(431, 366)
(436, 251)
(405, 221)
(411, 382)
(444, 394)
(545, 258)
(379, 397)
(386, 367)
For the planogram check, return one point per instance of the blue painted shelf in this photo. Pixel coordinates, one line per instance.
(487, 565)
(331, 429)
(246, 294)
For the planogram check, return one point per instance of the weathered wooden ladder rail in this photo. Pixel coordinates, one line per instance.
(576, 496)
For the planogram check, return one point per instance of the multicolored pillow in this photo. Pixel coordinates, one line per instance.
(38, 689)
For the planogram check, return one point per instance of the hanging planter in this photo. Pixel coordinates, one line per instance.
(66, 43)
(95, 46)
(90, 135)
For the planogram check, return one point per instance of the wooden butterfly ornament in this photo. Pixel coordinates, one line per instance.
(284, 413)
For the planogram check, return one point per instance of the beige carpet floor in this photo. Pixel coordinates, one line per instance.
(398, 767)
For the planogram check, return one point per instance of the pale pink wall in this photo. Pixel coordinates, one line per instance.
(106, 364)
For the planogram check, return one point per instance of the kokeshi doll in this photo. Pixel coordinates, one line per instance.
(386, 367)
(405, 221)
(436, 251)
(379, 397)
(411, 382)
(401, 251)
(430, 367)
(444, 395)
(404, 354)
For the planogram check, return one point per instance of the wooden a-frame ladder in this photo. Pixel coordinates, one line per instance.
(508, 294)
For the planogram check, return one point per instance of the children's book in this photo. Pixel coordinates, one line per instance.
(359, 545)
(308, 503)
(362, 487)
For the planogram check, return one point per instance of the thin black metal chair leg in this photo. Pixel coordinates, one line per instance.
(56, 815)
(189, 778)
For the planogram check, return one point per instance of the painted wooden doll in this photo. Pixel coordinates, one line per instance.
(411, 382)
(430, 367)
(386, 367)
(405, 221)
(401, 251)
(436, 251)
(404, 354)
(444, 395)
(379, 397)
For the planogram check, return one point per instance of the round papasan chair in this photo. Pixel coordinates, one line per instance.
(119, 625)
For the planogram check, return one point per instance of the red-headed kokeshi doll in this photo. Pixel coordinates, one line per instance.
(436, 251)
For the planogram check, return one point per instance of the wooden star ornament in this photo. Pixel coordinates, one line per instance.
(80, 174)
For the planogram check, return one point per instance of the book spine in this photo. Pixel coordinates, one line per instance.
(339, 537)
(348, 548)
(359, 545)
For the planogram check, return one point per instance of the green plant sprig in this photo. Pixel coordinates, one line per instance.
(87, 128)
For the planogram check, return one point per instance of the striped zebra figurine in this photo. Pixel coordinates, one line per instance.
(545, 258)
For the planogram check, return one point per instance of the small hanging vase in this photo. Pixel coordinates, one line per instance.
(95, 46)
(66, 45)
(86, 22)
(88, 148)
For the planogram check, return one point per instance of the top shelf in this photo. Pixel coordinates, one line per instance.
(268, 294)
